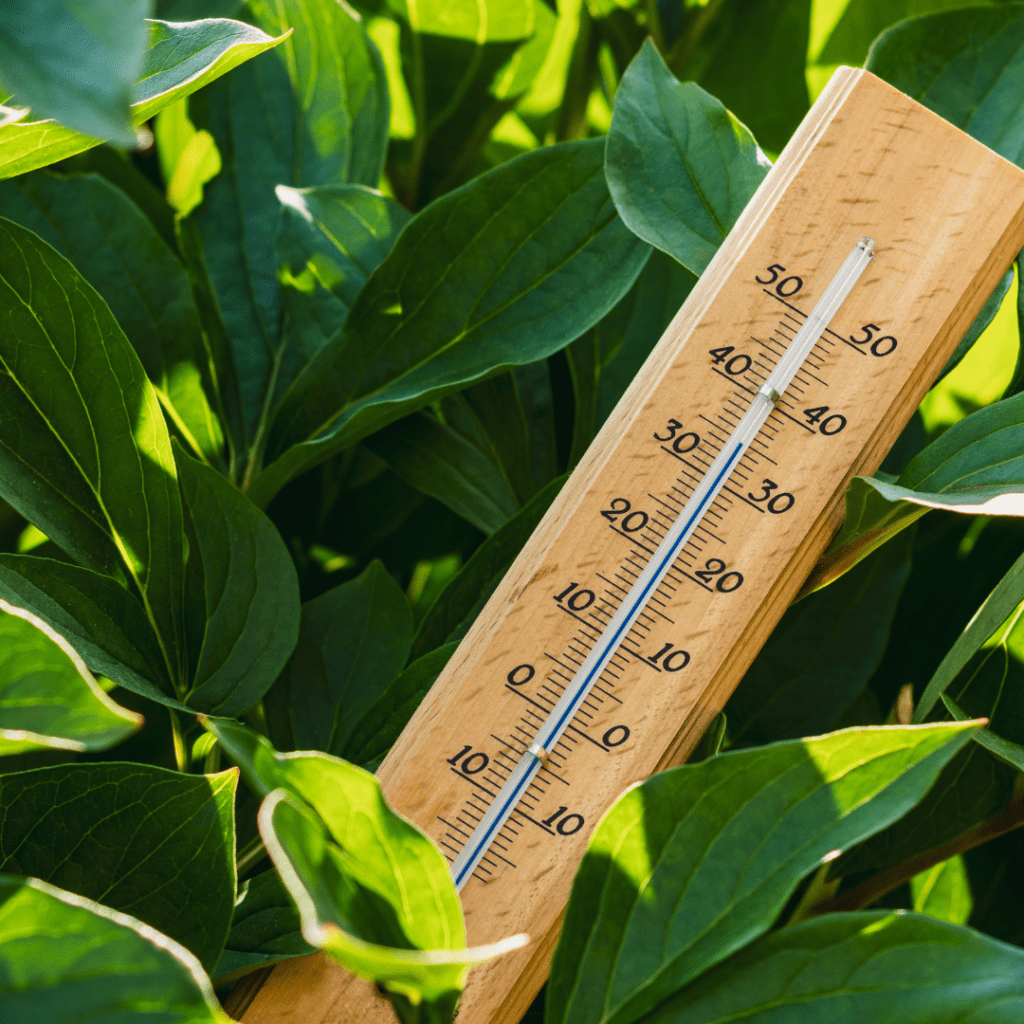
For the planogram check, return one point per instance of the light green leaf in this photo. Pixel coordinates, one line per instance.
(330, 239)
(48, 698)
(145, 840)
(852, 968)
(100, 230)
(265, 928)
(180, 59)
(84, 452)
(501, 272)
(444, 464)
(424, 985)
(695, 863)
(353, 641)
(966, 66)
(243, 608)
(65, 958)
(973, 468)
(680, 167)
(105, 623)
(944, 891)
(188, 158)
(466, 593)
(75, 61)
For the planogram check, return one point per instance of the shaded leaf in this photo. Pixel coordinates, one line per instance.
(154, 843)
(944, 891)
(973, 468)
(243, 612)
(729, 838)
(822, 653)
(65, 958)
(441, 462)
(504, 271)
(84, 452)
(75, 62)
(383, 721)
(180, 59)
(848, 968)
(265, 928)
(473, 584)
(99, 229)
(680, 167)
(353, 641)
(48, 698)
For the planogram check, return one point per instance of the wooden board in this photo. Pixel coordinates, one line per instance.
(947, 215)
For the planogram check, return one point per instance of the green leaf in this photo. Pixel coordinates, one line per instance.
(973, 468)
(822, 653)
(424, 985)
(383, 721)
(65, 958)
(188, 158)
(353, 641)
(243, 612)
(467, 591)
(98, 228)
(84, 452)
(103, 621)
(445, 464)
(979, 324)
(944, 891)
(154, 843)
(265, 929)
(726, 841)
(964, 65)
(340, 90)
(851, 968)
(757, 70)
(659, 123)
(180, 60)
(75, 62)
(329, 241)
(501, 272)
(314, 114)
(48, 698)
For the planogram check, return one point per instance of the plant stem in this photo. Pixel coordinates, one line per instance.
(572, 115)
(874, 888)
(252, 853)
(690, 36)
(181, 757)
(654, 26)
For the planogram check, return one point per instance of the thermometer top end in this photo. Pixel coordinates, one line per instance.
(868, 245)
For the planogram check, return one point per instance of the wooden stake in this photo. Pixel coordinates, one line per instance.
(947, 215)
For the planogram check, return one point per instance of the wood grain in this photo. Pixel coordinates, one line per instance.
(947, 215)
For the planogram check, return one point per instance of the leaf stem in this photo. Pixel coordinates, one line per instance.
(682, 50)
(255, 461)
(874, 888)
(181, 755)
(252, 853)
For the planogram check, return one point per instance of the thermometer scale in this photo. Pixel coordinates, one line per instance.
(689, 525)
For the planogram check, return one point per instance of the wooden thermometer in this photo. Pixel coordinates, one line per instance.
(691, 523)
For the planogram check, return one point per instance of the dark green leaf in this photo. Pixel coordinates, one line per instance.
(180, 60)
(997, 886)
(964, 66)
(243, 610)
(726, 841)
(822, 653)
(99, 617)
(75, 62)
(680, 167)
(353, 641)
(98, 228)
(438, 460)
(973, 468)
(265, 928)
(504, 271)
(149, 842)
(84, 453)
(479, 575)
(67, 959)
(758, 68)
(851, 968)
(329, 241)
(48, 698)
(380, 726)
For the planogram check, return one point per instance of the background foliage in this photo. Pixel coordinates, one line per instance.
(306, 312)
